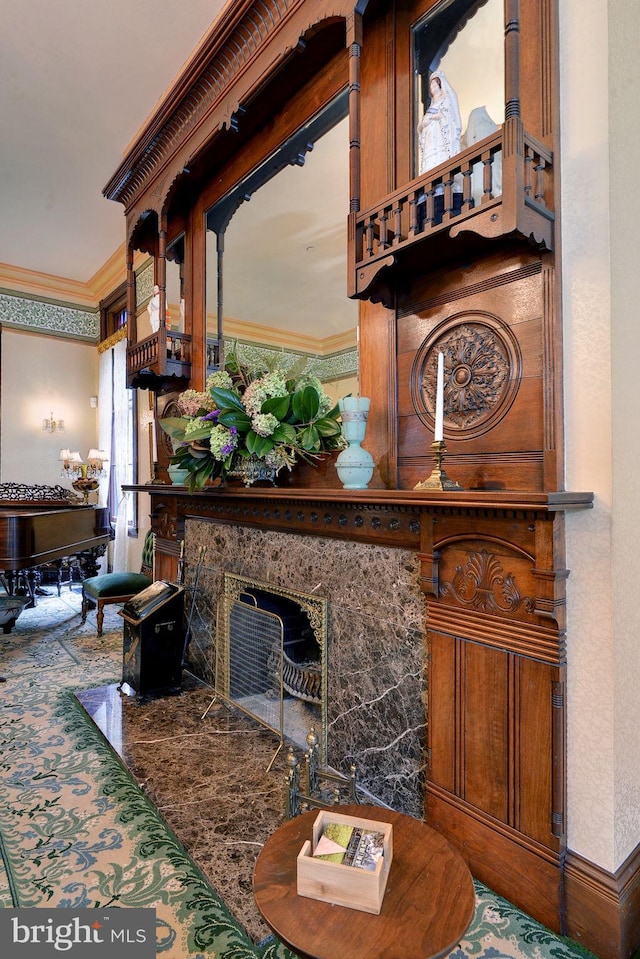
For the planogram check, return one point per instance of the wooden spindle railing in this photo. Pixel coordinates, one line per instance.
(445, 196)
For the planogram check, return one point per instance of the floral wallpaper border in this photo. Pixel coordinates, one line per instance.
(332, 367)
(23, 313)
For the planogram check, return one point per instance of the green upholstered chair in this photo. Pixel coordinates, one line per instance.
(118, 587)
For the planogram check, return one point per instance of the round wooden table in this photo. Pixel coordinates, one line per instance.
(428, 904)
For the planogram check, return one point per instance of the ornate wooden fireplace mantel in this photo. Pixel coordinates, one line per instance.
(402, 518)
(494, 640)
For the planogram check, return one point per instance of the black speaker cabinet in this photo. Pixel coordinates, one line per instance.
(153, 640)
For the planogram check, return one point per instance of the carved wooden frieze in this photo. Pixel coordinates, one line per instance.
(380, 524)
(230, 66)
(164, 522)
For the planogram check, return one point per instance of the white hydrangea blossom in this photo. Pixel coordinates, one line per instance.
(220, 380)
(222, 441)
(264, 423)
(272, 384)
(191, 402)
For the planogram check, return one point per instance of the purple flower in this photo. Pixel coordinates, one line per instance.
(213, 415)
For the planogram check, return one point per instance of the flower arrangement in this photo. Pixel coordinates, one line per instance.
(251, 413)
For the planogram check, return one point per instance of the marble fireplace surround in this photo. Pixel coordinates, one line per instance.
(376, 708)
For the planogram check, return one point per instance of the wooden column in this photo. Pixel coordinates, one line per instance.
(132, 320)
(354, 43)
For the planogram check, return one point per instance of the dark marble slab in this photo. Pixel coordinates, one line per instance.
(206, 768)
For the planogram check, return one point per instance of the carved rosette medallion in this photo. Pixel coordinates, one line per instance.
(482, 372)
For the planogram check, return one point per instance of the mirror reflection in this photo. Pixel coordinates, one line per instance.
(175, 285)
(276, 257)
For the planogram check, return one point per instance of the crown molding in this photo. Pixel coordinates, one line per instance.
(45, 287)
(62, 290)
(260, 334)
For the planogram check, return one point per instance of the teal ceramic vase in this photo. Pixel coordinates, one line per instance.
(177, 475)
(354, 464)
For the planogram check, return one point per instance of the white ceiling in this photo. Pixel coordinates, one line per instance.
(78, 78)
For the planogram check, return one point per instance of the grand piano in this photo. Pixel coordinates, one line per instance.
(43, 526)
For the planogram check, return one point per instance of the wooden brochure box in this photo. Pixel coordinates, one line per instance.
(344, 885)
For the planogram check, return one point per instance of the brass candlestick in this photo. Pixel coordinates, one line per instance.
(156, 479)
(438, 478)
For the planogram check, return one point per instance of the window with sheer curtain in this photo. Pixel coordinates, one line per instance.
(116, 433)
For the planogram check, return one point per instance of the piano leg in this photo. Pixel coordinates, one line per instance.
(28, 585)
(88, 560)
(10, 609)
(22, 582)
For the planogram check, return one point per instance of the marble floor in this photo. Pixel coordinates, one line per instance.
(211, 772)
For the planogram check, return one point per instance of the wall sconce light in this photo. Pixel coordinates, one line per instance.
(51, 425)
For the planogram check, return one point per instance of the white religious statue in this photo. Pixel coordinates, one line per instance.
(153, 309)
(479, 126)
(440, 128)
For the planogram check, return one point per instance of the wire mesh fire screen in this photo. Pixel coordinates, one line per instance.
(271, 657)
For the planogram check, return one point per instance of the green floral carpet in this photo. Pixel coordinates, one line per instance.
(76, 831)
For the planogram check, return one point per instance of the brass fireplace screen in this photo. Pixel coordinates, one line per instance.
(270, 658)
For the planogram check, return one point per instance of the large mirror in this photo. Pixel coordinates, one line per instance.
(276, 273)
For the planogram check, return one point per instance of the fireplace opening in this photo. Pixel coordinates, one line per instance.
(271, 657)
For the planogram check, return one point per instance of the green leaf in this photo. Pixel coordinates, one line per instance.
(206, 470)
(309, 438)
(285, 433)
(201, 433)
(180, 454)
(278, 405)
(226, 399)
(327, 427)
(237, 418)
(305, 404)
(259, 445)
(174, 425)
(199, 453)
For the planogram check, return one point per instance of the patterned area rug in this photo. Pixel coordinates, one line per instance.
(76, 831)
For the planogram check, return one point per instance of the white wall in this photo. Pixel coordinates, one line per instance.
(40, 375)
(624, 86)
(600, 86)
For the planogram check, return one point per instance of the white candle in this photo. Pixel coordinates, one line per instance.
(439, 432)
(154, 441)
